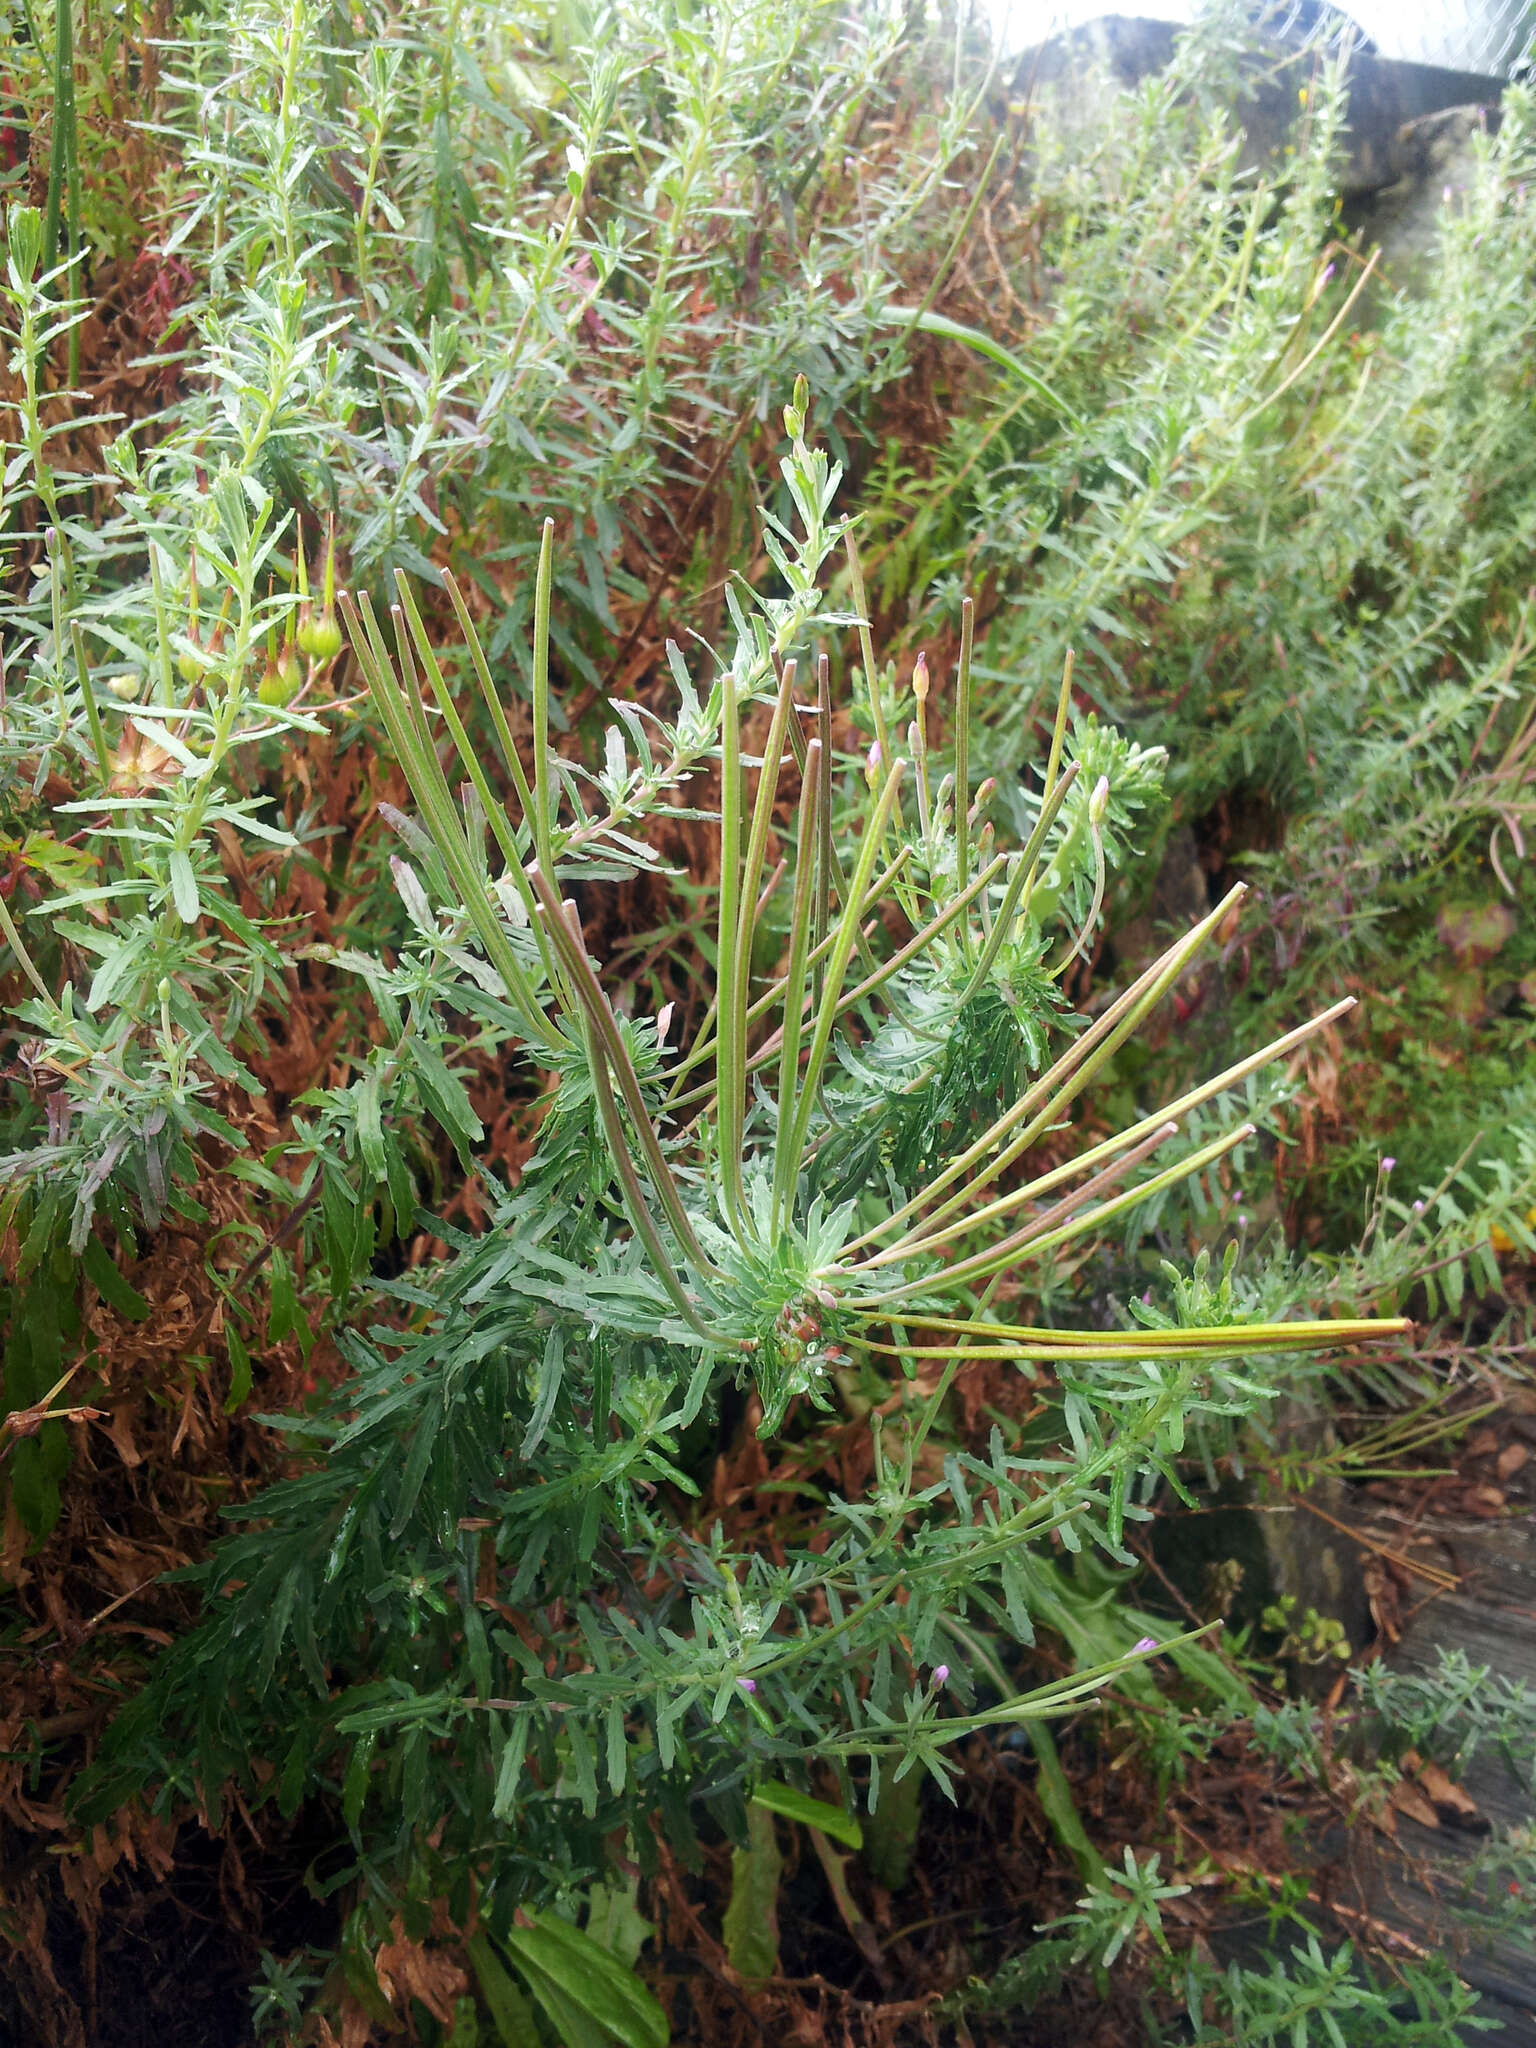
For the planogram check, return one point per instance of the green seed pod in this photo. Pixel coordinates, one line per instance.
(320, 638)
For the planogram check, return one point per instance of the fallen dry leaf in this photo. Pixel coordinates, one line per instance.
(1408, 1799)
(404, 1967)
(1449, 1797)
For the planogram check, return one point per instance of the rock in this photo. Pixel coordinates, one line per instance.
(1434, 161)
(1091, 65)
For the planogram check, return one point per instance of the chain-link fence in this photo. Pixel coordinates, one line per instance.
(1488, 37)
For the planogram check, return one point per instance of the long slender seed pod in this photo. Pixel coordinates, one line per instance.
(1058, 737)
(997, 1257)
(837, 968)
(867, 649)
(594, 1005)
(824, 853)
(1019, 881)
(542, 820)
(1039, 1226)
(794, 984)
(730, 1052)
(746, 925)
(1024, 1342)
(818, 951)
(634, 1195)
(424, 773)
(495, 813)
(1174, 1112)
(490, 694)
(704, 1040)
(774, 994)
(1065, 1077)
(916, 945)
(963, 742)
(1223, 1340)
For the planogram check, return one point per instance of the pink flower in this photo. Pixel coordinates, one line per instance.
(747, 1684)
(1388, 1163)
(940, 1674)
(1146, 1643)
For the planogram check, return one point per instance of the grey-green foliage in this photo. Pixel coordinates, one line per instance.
(1287, 520)
(1451, 1712)
(451, 268)
(1305, 1997)
(1314, 1999)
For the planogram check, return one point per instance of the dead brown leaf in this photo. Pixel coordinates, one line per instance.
(1510, 1460)
(1408, 1799)
(406, 1970)
(1450, 1798)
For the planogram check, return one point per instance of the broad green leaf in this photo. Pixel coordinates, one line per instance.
(942, 328)
(110, 1284)
(239, 1370)
(184, 887)
(573, 2026)
(596, 1985)
(752, 1917)
(811, 1813)
(890, 1836)
(511, 2014)
(616, 1923)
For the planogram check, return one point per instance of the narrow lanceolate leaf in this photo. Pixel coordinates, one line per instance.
(511, 2014)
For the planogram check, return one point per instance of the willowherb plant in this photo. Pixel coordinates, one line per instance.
(489, 1625)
